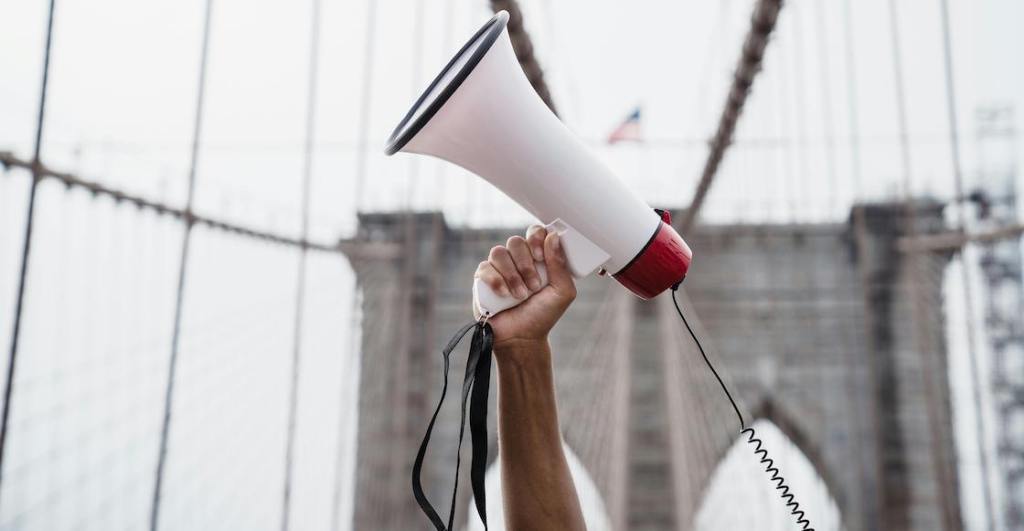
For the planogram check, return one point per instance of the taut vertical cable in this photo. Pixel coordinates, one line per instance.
(154, 514)
(919, 333)
(300, 287)
(786, 145)
(965, 277)
(802, 163)
(343, 407)
(826, 104)
(27, 242)
(851, 98)
(859, 222)
(416, 80)
(437, 191)
(365, 102)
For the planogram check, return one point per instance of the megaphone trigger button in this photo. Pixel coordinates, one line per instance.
(557, 226)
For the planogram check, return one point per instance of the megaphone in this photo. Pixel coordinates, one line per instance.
(482, 114)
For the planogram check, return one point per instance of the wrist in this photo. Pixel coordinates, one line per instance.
(521, 351)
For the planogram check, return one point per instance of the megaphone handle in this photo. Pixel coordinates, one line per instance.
(489, 303)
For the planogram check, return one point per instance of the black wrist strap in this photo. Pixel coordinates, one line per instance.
(476, 382)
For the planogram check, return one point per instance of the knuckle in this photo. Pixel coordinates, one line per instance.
(496, 251)
(515, 241)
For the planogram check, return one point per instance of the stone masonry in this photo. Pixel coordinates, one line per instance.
(827, 330)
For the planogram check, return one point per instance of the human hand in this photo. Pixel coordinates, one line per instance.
(510, 271)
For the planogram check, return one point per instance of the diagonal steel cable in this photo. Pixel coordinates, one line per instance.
(154, 515)
(762, 23)
(8, 160)
(523, 47)
(35, 167)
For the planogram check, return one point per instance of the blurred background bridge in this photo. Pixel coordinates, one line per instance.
(223, 307)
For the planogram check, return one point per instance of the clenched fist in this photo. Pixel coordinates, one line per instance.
(510, 271)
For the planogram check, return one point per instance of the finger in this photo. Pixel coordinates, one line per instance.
(559, 275)
(535, 238)
(501, 259)
(523, 259)
(492, 278)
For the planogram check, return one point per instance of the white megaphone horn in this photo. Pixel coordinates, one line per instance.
(482, 114)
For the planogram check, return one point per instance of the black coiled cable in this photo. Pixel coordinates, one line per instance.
(780, 482)
(762, 454)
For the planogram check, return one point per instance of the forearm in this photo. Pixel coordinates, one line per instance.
(537, 486)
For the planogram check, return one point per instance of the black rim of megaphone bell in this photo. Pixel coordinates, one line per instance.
(486, 35)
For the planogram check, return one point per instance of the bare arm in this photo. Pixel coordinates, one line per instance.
(538, 490)
(537, 487)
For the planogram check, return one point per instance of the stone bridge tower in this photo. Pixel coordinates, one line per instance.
(827, 330)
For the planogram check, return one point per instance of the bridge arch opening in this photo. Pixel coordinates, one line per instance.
(740, 494)
(591, 501)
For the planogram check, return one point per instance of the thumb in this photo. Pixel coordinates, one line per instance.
(559, 276)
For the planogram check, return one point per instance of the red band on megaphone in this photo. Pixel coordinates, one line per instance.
(663, 263)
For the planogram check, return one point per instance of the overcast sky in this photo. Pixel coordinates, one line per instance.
(124, 75)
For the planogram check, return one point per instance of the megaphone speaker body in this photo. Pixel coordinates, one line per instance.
(482, 114)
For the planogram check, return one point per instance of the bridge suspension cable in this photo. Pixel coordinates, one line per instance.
(366, 104)
(71, 180)
(300, 286)
(197, 127)
(36, 168)
(922, 339)
(762, 23)
(523, 47)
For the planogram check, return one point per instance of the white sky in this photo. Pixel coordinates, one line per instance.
(123, 78)
(124, 75)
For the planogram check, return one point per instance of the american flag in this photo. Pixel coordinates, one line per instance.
(628, 130)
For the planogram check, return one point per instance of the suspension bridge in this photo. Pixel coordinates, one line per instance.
(235, 331)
